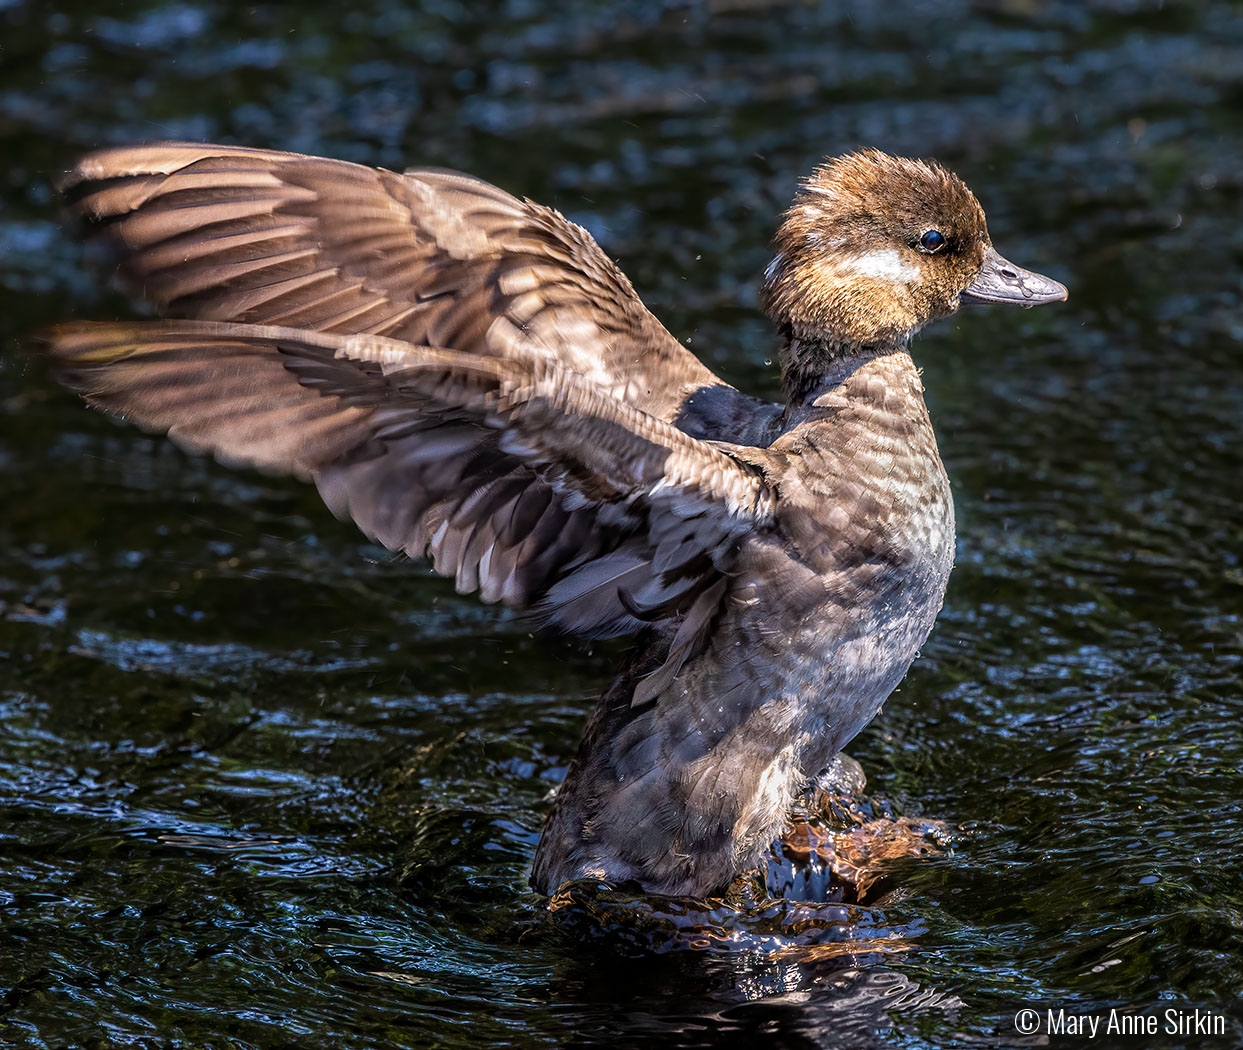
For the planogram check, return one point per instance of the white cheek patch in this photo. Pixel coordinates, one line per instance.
(887, 264)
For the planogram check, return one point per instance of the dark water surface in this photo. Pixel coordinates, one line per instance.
(261, 785)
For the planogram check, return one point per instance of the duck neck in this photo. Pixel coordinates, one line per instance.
(814, 359)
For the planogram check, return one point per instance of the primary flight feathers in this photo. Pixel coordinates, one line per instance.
(489, 447)
(431, 257)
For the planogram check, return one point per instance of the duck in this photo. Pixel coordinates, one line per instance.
(469, 378)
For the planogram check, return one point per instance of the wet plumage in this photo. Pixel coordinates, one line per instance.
(468, 377)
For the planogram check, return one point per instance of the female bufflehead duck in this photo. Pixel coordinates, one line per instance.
(468, 377)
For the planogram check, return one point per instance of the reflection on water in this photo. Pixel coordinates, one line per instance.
(264, 785)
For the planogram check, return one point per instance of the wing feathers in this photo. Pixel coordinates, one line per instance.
(523, 481)
(464, 374)
(431, 257)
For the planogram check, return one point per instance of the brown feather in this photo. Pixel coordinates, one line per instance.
(430, 257)
(466, 436)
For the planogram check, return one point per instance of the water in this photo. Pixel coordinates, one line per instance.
(265, 786)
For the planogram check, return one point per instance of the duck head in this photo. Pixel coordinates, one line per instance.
(874, 247)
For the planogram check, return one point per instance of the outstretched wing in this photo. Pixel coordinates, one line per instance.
(431, 257)
(520, 477)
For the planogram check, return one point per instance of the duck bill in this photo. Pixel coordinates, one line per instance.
(1000, 281)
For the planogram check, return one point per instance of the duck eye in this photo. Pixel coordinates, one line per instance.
(932, 241)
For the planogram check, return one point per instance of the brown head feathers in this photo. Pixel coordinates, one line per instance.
(873, 248)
